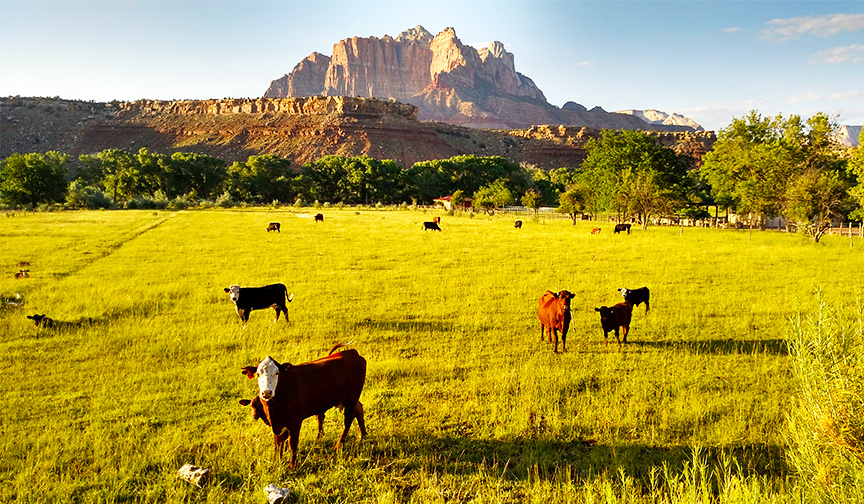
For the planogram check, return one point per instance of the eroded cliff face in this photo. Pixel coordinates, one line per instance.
(302, 130)
(447, 81)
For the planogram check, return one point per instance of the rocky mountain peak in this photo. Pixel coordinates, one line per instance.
(416, 34)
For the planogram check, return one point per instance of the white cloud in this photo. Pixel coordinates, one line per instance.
(841, 96)
(586, 63)
(731, 29)
(853, 53)
(819, 26)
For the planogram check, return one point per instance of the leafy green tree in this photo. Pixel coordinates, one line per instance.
(427, 180)
(856, 173)
(816, 198)
(574, 202)
(198, 175)
(493, 196)
(31, 179)
(119, 173)
(634, 174)
(532, 200)
(261, 179)
(457, 200)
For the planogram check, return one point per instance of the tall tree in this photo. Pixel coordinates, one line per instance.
(31, 179)
(856, 173)
(493, 196)
(119, 173)
(575, 201)
(633, 174)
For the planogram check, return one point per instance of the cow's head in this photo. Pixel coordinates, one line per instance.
(234, 291)
(624, 292)
(268, 376)
(257, 408)
(566, 296)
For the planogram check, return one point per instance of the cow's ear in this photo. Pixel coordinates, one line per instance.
(226, 289)
(249, 371)
(596, 309)
(245, 402)
(284, 366)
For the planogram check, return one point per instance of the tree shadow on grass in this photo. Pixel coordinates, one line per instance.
(729, 346)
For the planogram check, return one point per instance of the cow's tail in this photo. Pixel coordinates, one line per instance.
(338, 346)
(289, 297)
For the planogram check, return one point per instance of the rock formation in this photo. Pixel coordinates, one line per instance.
(656, 117)
(447, 81)
(299, 129)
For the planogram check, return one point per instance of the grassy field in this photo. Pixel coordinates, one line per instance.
(463, 401)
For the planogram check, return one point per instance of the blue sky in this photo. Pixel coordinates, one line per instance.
(708, 60)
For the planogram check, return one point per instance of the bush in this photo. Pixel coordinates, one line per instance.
(225, 200)
(826, 425)
(91, 198)
(298, 203)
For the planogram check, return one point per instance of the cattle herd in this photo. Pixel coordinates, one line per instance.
(288, 394)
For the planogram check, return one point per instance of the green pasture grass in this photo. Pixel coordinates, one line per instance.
(463, 401)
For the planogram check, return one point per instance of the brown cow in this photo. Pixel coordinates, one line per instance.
(518, 224)
(611, 318)
(554, 314)
(436, 220)
(289, 394)
(274, 226)
(595, 231)
(319, 218)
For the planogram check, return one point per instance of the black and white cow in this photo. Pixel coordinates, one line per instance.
(637, 296)
(247, 299)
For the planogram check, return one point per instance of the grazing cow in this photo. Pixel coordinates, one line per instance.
(595, 231)
(274, 226)
(24, 273)
(42, 321)
(622, 227)
(436, 220)
(637, 296)
(288, 394)
(611, 318)
(518, 224)
(319, 218)
(554, 314)
(247, 299)
(431, 225)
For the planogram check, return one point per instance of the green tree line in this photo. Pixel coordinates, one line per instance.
(762, 167)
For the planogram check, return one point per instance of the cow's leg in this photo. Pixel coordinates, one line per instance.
(564, 340)
(244, 315)
(320, 418)
(626, 331)
(279, 441)
(350, 411)
(616, 336)
(542, 332)
(361, 421)
(647, 306)
(555, 330)
(293, 441)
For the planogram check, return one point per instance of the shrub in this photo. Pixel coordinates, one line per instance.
(826, 424)
(91, 198)
(225, 200)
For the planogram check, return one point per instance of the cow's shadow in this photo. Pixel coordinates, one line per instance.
(727, 346)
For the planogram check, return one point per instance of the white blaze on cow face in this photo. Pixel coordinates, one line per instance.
(624, 291)
(268, 377)
(234, 291)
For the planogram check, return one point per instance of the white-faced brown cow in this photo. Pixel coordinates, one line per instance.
(611, 318)
(554, 314)
(247, 299)
(288, 394)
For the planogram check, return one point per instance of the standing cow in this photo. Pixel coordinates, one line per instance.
(431, 226)
(436, 220)
(247, 299)
(288, 394)
(611, 318)
(637, 296)
(554, 314)
(273, 226)
(518, 224)
(319, 217)
(621, 227)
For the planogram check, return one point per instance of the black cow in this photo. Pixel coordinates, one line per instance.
(431, 225)
(42, 321)
(274, 226)
(247, 299)
(637, 296)
(622, 227)
(613, 317)
(319, 218)
(518, 224)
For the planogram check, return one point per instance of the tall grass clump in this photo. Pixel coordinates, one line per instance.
(826, 424)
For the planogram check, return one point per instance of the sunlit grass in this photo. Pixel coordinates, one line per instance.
(463, 401)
